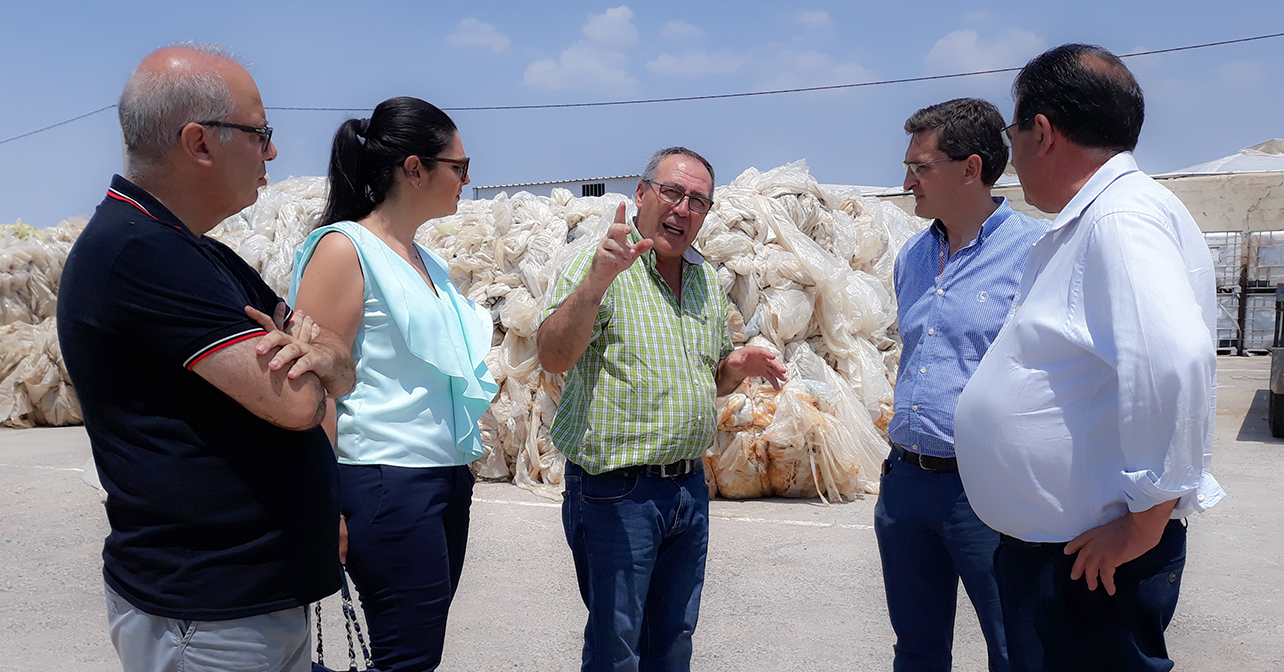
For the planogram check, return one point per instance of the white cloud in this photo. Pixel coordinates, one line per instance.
(814, 18)
(473, 33)
(964, 51)
(582, 66)
(594, 64)
(695, 64)
(789, 69)
(681, 30)
(615, 26)
(1246, 75)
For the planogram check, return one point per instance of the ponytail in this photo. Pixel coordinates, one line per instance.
(348, 198)
(366, 154)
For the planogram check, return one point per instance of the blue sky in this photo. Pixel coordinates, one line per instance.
(62, 59)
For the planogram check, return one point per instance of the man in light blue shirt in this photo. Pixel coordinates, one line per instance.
(954, 284)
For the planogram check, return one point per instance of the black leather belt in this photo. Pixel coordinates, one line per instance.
(1021, 543)
(926, 462)
(679, 468)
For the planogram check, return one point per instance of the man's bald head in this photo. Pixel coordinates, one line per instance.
(174, 86)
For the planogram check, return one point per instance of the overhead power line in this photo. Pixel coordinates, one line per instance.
(832, 87)
(42, 130)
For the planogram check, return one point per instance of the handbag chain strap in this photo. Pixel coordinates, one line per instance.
(320, 650)
(350, 623)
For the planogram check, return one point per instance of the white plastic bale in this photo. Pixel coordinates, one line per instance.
(34, 386)
(785, 314)
(774, 238)
(31, 262)
(273, 227)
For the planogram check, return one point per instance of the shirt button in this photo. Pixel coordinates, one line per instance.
(914, 407)
(1200, 497)
(940, 292)
(915, 447)
(1172, 578)
(922, 369)
(931, 332)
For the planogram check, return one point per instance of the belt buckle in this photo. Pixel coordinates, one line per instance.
(681, 468)
(923, 465)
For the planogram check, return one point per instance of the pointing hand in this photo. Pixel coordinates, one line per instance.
(614, 253)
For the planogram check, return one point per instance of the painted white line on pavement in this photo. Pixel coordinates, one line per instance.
(803, 523)
(722, 516)
(37, 466)
(544, 505)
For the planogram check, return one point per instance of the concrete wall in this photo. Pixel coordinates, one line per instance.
(626, 185)
(1234, 202)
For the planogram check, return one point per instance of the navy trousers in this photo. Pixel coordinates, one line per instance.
(407, 533)
(1055, 624)
(929, 538)
(639, 545)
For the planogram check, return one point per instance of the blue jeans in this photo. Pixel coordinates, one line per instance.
(929, 538)
(407, 533)
(639, 545)
(1056, 624)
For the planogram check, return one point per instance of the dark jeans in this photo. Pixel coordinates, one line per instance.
(1054, 623)
(407, 532)
(929, 538)
(639, 545)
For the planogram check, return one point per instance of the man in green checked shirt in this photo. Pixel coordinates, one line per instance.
(648, 351)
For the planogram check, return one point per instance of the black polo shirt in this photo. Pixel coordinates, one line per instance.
(215, 513)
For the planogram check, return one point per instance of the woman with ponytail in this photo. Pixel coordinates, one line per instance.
(405, 434)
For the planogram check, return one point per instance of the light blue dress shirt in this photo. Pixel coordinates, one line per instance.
(948, 321)
(422, 382)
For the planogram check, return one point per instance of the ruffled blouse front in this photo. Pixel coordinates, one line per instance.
(422, 382)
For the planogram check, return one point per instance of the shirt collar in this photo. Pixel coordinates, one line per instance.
(988, 227)
(135, 196)
(691, 256)
(1119, 165)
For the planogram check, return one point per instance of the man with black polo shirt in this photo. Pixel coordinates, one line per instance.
(202, 396)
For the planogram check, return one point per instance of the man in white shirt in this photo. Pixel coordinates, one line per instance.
(1085, 435)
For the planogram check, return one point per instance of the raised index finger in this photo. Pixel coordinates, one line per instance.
(619, 213)
(619, 233)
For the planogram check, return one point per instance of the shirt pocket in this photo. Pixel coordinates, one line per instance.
(701, 340)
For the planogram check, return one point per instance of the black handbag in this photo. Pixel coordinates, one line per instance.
(350, 624)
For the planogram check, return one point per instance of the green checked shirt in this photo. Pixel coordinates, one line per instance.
(643, 391)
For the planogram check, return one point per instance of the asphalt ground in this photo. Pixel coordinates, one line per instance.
(792, 585)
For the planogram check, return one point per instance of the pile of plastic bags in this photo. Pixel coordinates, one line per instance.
(34, 386)
(807, 273)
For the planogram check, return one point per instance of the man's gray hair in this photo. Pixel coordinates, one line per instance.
(154, 107)
(653, 165)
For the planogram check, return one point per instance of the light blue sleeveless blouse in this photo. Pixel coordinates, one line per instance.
(422, 382)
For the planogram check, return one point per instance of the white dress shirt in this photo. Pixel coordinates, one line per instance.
(1098, 396)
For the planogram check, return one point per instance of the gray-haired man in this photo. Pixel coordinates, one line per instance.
(202, 397)
(648, 351)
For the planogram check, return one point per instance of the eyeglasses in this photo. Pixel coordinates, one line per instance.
(460, 166)
(673, 195)
(916, 166)
(264, 132)
(1006, 133)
